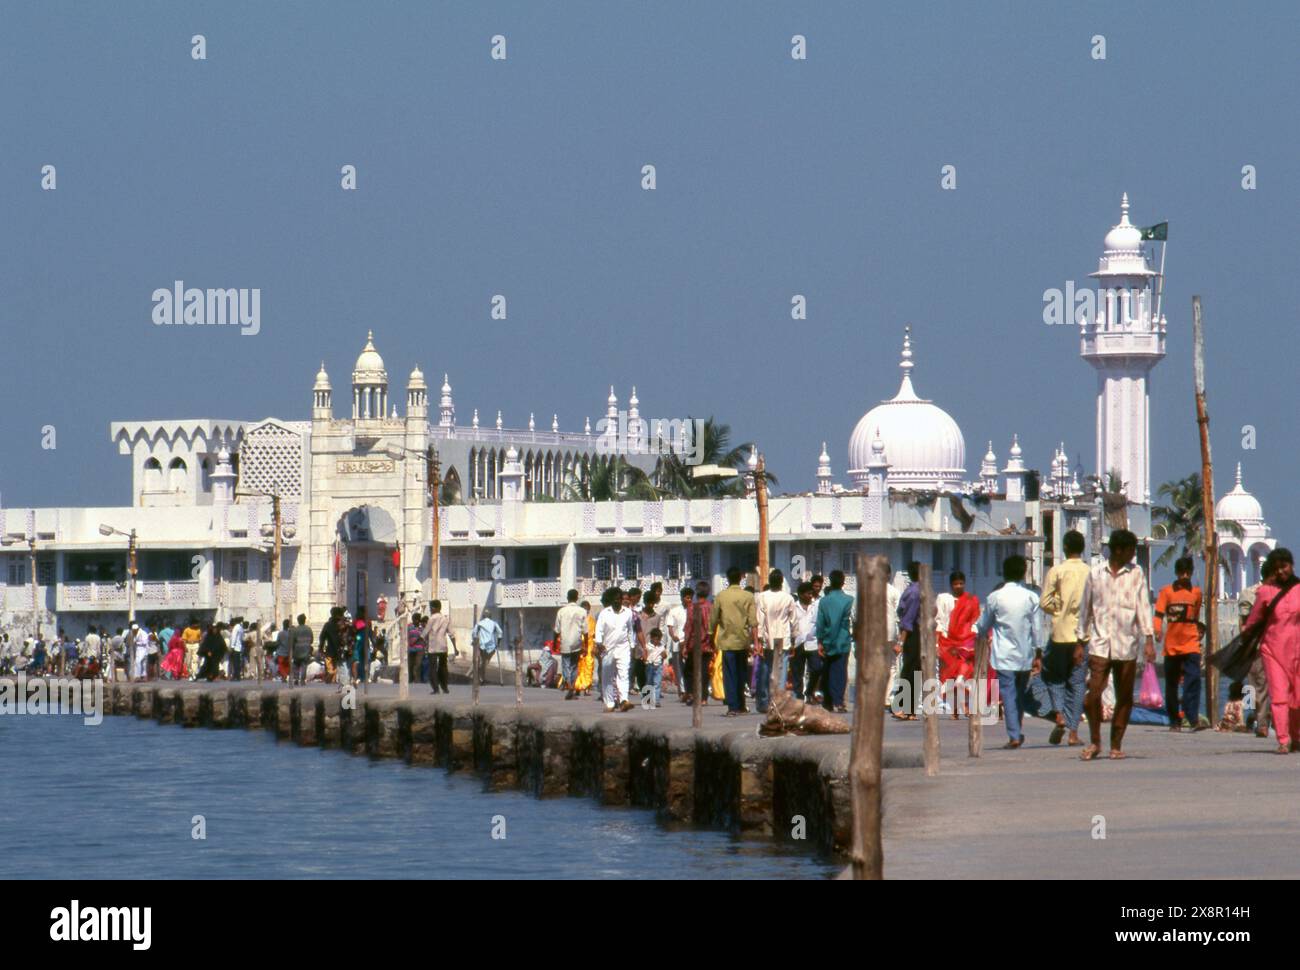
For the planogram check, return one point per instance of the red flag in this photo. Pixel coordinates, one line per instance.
(397, 558)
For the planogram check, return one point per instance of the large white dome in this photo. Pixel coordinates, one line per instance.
(923, 445)
(1239, 506)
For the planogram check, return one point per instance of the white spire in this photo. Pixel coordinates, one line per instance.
(532, 425)
(555, 422)
(905, 390)
(476, 419)
(498, 420)
(824, 471)
(587, 427)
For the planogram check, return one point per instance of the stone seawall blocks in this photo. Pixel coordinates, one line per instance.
(734, 781)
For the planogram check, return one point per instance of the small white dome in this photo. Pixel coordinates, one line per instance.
(1239, 505)
(925, 446)
(322, 379)
(369, 363)
(1123, 237)
(416, 379)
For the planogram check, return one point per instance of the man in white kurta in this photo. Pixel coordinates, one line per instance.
(614, 634)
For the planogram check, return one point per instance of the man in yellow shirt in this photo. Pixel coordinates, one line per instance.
(734, 626)
(1065, 673)
(192, 635)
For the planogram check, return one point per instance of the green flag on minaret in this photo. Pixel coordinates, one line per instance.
(1158, 232)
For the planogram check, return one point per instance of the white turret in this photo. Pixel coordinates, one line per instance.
(512, 477)
(322, 394)
(417, 396)
(446, 407)
(824, 472)
(989, 471)
(1122, 343)
(1015, 473)
(369, 383)
(223, 478)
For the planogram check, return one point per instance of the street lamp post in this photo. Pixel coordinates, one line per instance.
(131, 571)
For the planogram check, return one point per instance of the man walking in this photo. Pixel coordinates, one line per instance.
(699, 615)
(733, 628)
(486, 634)
(1064, 671)
(237, 649)
(615, 636)
(806, 657)
(302, 644)
(1178, 618)
(437, 631)
(1114, 614)
(1011, 612)
(776, 620)
(675, 628)
(909, 643)
(835, 637)
(570, 633)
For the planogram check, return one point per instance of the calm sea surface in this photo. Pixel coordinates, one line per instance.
(117, 800)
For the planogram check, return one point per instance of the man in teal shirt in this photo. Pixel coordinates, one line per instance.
(1012, 612)
(835, 636)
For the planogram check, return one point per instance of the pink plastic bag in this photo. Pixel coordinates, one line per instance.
(1150, 695)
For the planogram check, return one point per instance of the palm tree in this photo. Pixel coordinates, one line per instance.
(673, 475)
(1183, 518)
(610, 480)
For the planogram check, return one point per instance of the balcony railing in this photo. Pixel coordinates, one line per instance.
(150, 592)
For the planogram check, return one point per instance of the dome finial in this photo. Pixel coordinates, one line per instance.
(1123, 208)
(906, 362)
(1239, 474)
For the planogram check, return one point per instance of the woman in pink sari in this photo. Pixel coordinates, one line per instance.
(1280, 646)
(173, 665)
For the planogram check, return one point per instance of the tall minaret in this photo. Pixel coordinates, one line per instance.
(1123, 343)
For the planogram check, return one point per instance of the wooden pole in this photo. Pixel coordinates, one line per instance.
(519, 662)
(977, 700)
(929, 670)
(474, 659)
(871, 640)
(1207, 507)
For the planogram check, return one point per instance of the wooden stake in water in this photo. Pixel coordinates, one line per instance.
(871, 640)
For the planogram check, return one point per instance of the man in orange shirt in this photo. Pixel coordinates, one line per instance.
(1178, 615)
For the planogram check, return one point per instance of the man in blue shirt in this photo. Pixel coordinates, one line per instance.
(1012, 613)
(909, 643)
(835, 639)
(486, 633)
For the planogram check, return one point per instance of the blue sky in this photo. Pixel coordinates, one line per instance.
(775, 177)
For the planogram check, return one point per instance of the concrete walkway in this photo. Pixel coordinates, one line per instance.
(1181, 806)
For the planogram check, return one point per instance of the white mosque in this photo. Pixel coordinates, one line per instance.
(515, 528)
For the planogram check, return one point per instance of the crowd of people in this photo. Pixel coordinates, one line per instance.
(1068, 652)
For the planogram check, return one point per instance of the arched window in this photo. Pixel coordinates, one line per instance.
(177, 475)
(153, 475)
